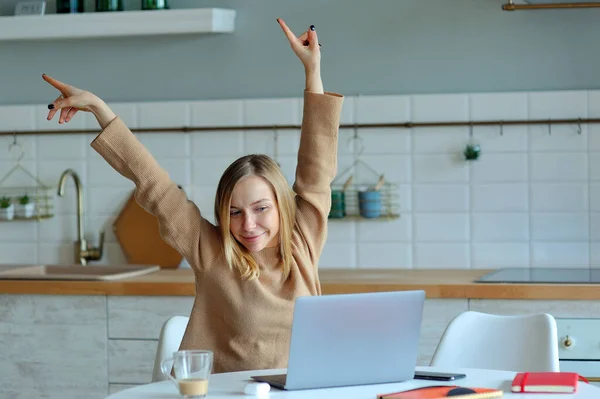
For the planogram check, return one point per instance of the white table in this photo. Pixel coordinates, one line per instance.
(231, 386)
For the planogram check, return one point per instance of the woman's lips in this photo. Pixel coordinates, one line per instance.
(253, 238)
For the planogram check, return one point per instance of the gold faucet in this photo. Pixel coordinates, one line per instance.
(83, 253)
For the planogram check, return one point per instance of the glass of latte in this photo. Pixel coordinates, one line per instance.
(190, 371)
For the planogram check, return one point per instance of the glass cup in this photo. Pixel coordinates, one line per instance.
(191, 371)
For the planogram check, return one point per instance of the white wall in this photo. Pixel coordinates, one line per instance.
(531, 200)
(369, 48)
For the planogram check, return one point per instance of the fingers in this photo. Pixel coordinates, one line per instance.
(71, 113)
(53, 109)
(63, 114)
(313, 40)
(304, 38)
(62, 87)
(59, 103)
(288, 33)
(62, 104)
(308, 37)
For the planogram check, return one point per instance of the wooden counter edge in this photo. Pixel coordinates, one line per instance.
(120, 288)
(433, 291)
(478, 291)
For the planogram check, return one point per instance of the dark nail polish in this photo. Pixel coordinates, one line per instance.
(50, 106)
(312, 27)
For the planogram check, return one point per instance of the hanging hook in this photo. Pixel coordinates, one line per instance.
(471, 130)
(501, 128)
(549, 127)
(358, 142)
(16, 144)
(351, 139)
(579, 126)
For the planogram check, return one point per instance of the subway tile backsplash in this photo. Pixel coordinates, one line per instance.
(531, 200)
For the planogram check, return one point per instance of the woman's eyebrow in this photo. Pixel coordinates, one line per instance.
(255, 202)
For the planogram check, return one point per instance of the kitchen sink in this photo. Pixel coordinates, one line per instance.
(74, 272)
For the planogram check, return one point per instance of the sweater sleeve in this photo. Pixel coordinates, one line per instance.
(180, 223)
(316, 169)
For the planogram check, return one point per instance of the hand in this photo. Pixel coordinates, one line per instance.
(306, 46)
(73, 100)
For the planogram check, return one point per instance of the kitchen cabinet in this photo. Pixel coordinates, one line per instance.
(63, 347)
(53, 347)
(141, 317)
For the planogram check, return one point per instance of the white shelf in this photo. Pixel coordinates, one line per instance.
(117, 24)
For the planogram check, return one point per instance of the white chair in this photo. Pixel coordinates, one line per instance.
(169, 341)
(516, 343)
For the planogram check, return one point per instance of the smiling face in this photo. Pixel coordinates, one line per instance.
(254, 214)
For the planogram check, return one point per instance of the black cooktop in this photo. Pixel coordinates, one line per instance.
(542, 275)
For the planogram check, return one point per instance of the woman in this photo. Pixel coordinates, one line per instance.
(264, 250)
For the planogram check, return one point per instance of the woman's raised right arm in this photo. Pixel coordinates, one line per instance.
(180, 222)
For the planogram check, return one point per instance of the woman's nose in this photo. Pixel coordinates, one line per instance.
(249, 223)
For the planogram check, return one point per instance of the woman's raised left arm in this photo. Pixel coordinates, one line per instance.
(317, 155)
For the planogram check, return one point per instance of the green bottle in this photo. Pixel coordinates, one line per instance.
(155, 5)
(69, 6)
(109, 5)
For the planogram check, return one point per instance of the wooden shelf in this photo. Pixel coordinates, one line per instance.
(35, 218)
(117, 24)
(358, 217)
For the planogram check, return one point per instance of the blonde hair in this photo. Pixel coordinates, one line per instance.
(236, 254)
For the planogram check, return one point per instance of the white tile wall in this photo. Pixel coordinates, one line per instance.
(532, 200)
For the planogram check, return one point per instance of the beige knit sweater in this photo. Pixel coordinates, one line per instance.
(246, 323)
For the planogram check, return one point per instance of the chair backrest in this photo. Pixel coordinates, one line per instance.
(499, 342)
(169, 341)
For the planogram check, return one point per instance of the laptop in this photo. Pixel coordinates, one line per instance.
(352, 339)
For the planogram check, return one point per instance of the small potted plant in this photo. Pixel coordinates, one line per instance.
(472, 152)
(25, 207)
(7, 209)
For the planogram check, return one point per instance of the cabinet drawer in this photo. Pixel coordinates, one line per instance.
(131, 361)
(579, 339)
(141, 317)
(53, 346)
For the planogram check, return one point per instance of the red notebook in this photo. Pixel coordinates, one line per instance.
(552, 382)
(443, 392)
